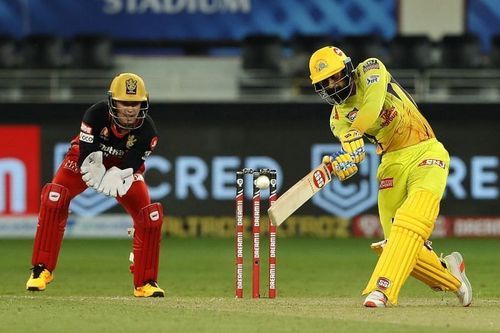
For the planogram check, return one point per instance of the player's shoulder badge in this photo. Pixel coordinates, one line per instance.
(131, 140)
(375, 78)
(85, 128)
(370, 64)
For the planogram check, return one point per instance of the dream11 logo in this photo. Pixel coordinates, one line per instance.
(350, 198)
(19, 169)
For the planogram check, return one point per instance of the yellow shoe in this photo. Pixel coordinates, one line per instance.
(150, 289)
(39, 278)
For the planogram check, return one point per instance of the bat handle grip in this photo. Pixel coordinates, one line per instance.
(329, 166)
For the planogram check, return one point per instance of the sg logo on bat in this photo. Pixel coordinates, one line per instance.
(319, 179)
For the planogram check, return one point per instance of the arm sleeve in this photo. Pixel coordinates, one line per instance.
(92, 124)
(373, 79)
(337, 126)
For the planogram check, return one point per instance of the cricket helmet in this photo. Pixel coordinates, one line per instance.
(326, 62)
(128, 87)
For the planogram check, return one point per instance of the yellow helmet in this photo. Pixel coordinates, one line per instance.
(128, 87)
(326, 62)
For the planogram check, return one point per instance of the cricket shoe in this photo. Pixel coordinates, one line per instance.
(455, 264)
(376, 299)
(39, 278)
(150, 289)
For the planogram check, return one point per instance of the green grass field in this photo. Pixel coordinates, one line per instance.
(319, 285)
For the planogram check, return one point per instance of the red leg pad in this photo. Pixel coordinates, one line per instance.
(51, 224)
(146, 245)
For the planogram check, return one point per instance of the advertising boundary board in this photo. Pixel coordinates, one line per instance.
(211, 140)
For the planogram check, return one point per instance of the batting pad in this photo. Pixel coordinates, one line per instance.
(413, 224)
(146, 245)
(51, 225)
(428, 269)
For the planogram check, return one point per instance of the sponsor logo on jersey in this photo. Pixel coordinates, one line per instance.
(388, 116)
(154, 142)
(372, 79)
(104, 133)
(85, 128)
(131, 87)
(352, 115)
(429, 162)
(86, 137)
(386, 183)
(146, 154)
(370, 64)
(131, 140)
(71, 165)
(383, 283)
(108, 150)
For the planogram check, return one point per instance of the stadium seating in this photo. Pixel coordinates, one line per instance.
(460, 51)
(361, 47)
(301, 47)
(495, 52)
(8, 52)
(410, 51)
(43, 51)
(92, 51)
(262, 65)
(45, 67)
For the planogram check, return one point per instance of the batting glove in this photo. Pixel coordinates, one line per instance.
(116, 181)
(352, 143)
(92, 169)
(343, 165)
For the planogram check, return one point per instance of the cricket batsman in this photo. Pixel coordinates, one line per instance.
(116, 136)
(369, 103)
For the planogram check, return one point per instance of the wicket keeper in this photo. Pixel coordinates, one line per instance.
(369, 104)
(116, 136)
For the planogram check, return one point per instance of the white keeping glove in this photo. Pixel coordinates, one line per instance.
(116, 181)
(92, 169)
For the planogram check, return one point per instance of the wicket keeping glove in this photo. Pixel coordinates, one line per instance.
(116, 181)
(343, 165)
(92, 169)
(352, 143)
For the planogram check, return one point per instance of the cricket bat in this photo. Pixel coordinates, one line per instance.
(299, 193)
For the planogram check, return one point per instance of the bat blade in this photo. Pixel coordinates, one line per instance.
(300, 193)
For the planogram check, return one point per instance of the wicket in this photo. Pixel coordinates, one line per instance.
(240, 175)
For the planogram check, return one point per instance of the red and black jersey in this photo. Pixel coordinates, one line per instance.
(98, 132)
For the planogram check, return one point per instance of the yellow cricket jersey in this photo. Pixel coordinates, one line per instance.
(381, 109)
